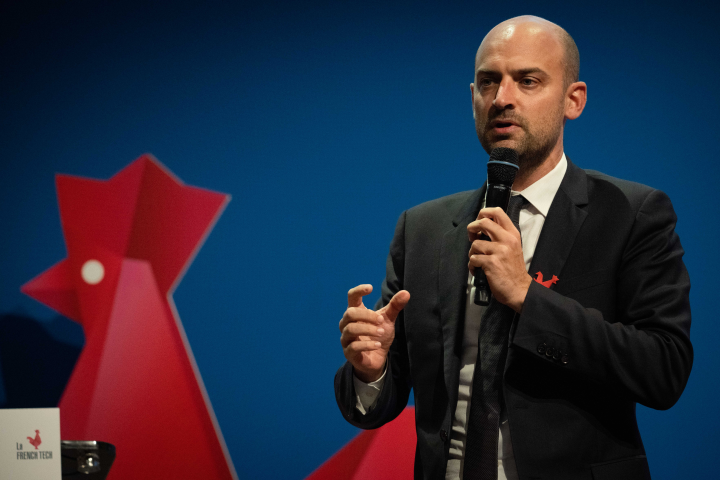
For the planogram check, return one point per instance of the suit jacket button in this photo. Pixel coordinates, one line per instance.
(557, 355)
(549, 351)
(443, 435)
(541, 348)
(564, 359)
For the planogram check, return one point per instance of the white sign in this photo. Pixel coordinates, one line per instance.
(30, 444)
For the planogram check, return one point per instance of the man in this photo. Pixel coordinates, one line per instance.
(608, 326)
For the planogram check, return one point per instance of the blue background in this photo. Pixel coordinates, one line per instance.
(324, 121)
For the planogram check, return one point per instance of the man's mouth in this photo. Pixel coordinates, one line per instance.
(503, 127)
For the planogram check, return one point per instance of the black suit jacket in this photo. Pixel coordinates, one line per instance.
(612, 332)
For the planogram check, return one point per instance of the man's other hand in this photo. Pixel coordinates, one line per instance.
(501, 259)
(366, 335)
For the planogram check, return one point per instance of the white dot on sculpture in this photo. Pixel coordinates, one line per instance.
(92, 272)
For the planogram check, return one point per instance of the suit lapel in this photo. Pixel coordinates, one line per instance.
(562, 224)
(452, 284)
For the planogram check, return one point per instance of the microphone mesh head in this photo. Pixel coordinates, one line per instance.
(500, 172)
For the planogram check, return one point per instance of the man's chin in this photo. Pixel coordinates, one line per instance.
(489, 146)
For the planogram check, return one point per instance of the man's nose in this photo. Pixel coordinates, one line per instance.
(505, 95)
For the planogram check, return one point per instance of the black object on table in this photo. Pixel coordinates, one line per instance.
(86, 460)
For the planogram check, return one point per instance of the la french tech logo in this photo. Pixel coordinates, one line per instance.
(35, 442)
(33, 454)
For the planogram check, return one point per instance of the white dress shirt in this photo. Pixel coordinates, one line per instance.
(532, 218)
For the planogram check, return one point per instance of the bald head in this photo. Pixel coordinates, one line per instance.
(525, 88)
(543, 30)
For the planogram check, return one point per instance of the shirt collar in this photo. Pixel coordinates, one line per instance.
(541, 193)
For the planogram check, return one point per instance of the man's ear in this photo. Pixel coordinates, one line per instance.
(575, 99)
(472, 98)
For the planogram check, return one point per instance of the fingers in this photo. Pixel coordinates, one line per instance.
(360, 346)
(477, 254)
(366, 338)
(494, 223)
(359, 314)
(483, 247)
(482, 250)
(362, 332)
(355, 295)
(497, 215)
(485, 225)
(397, 303)
(366, 335)
(484, 254)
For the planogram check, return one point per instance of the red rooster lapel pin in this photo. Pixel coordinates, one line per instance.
(546, 283)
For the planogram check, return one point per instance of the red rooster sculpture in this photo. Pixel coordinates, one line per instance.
(129, 240)
(387, 453)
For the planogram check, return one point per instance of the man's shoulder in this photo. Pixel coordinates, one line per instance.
(435, 217)
(605, 187)
(444, 207)
(628, 187)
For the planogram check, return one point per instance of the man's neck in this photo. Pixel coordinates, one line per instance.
(525, 179)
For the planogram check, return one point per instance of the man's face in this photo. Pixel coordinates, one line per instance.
(518, 95)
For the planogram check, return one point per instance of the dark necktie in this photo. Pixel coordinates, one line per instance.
(481, 444)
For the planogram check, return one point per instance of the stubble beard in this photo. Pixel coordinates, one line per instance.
(533, 147)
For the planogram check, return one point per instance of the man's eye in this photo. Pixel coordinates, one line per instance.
(528, 82)
(485, 82)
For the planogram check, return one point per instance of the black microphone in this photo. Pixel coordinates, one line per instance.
(502, 168)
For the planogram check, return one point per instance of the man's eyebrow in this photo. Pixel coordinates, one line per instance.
(521, 71)
(527, 71)
(485, 71)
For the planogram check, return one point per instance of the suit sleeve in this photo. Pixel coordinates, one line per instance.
(396, 389)
(645, 354)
